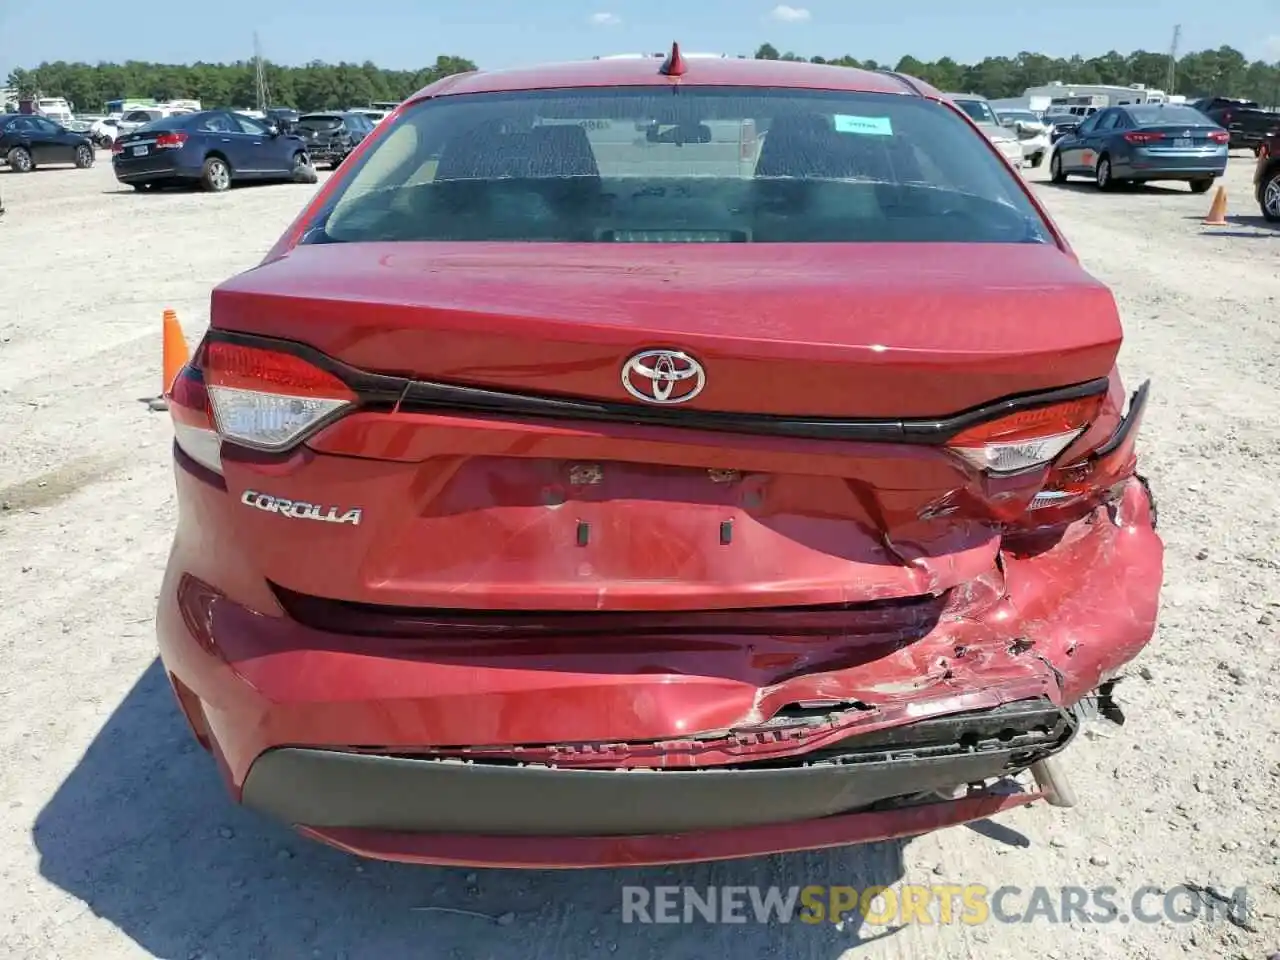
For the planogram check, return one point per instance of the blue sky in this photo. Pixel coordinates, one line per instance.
(496, 33)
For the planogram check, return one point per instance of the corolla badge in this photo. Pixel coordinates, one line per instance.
(663, 376)
(300, 510)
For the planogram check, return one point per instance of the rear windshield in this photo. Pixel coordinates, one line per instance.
(699, 164)
(320, 122)
(1168, 113)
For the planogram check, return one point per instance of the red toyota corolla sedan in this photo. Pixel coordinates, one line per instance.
(650, 460)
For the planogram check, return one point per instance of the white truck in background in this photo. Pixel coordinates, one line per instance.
(56, 109)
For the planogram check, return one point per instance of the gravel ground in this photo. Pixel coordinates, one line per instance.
(115, 836)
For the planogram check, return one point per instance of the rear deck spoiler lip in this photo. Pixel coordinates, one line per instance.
(381, 391)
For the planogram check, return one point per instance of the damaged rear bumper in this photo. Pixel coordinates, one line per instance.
(680, 742)
(329, 788)
(557, 852)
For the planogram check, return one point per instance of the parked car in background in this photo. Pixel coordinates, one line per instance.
(103, 132)
(134, 119)
(1059, 125)
(330, 137)
(213, 148)
(1245, 120)
(28, 141)
(980, 112)
(554, 494)
(362, 121)
(374, 117)
(1031, 131)
(283, 117)
(1141, 143)
(1266, 178)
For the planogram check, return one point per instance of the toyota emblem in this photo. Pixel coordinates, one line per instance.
(663, 376)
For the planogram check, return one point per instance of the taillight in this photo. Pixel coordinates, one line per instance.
(1219, 136)
(117, 147)
(1136, 136)
(170, 141)
(1026, 439)
(193, 419)
(267, 399)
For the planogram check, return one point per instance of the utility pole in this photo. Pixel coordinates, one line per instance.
(260, 76)
(1171, 78)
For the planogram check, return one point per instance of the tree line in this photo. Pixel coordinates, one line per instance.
(314, 86)
(318, 86)
(1223, 72)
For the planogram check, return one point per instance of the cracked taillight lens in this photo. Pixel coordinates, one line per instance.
(1026, 439)
(1104, 473)
(267, 399)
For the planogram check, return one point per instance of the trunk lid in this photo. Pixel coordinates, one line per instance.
(823, 330)
(515, 512)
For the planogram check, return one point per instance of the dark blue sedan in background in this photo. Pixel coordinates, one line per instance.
(213, 148)
(1134, 144)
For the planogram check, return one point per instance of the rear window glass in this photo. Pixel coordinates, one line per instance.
(1168, 113)
(642, 164)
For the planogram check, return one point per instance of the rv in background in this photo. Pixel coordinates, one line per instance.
(1113, 96)
(1078, 107)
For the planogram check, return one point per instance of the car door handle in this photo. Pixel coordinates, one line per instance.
(226, 139)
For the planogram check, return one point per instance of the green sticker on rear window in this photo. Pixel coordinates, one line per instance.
(874, 126)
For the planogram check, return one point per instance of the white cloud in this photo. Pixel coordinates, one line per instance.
(785, 14)
(605, 19)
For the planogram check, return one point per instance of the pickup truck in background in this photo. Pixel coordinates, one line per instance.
(1247, 123)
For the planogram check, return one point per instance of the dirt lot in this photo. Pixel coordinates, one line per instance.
(115, 835)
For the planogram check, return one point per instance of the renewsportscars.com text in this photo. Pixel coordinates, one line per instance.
(968, 904)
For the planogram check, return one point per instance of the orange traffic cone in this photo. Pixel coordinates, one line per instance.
(176, 353)
(1218, 210)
